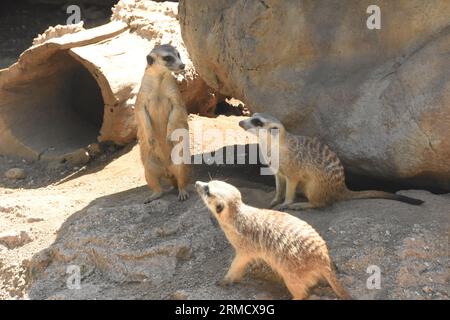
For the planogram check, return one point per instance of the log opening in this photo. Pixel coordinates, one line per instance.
(57, 109)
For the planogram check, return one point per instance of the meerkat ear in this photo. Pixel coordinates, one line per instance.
(219, 207)
(149, 60)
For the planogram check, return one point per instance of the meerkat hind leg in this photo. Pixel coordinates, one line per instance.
(154, 185)
(180, 178)
(300, 206)
(297, 287)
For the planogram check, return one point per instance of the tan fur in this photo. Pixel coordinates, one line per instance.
(312, 166)
(290, 246)
(159, 111)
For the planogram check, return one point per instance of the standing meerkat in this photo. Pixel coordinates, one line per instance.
(290, 246)
(310, 164)
(159, 111)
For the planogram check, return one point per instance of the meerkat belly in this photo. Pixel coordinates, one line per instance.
(160, 107)
(159, 113)
(292, 168)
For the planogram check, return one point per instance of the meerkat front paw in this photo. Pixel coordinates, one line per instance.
(183, 195)
(274, 203)
(282, 207)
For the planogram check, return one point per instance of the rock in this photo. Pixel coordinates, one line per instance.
(13, 240)
(94, 149)
(174, 252)
(16, 174)
(379, 98)
(179, 295)
(78, 157)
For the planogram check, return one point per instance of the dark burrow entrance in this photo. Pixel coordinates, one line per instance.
(57, 111)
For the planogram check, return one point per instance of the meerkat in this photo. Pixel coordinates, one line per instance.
(310, 164)
(290, 246)
(159, 111)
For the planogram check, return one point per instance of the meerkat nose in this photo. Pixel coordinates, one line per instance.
(182, 66)
(199, 184)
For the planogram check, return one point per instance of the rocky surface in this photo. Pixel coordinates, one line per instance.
(380, 98)
(125, 249)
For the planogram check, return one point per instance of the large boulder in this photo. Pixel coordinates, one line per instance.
(379, 98)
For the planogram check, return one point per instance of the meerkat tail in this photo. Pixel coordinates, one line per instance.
(338, 289)
(374, 194)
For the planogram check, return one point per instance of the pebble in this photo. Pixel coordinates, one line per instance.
(14, 239)
(16, 174)
(427, 289)
(179, 295)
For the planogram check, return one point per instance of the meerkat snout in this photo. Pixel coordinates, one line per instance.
(202, 188)
(199, 184)
(251, 123)
(216, 195)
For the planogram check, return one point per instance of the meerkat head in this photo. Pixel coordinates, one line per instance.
(261, 121)
(220, 197)
(165, 58)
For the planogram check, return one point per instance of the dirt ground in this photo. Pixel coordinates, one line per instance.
(94, 217)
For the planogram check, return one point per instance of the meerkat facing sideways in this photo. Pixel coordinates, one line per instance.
(290, 246)
(159, 111)
(311, 164)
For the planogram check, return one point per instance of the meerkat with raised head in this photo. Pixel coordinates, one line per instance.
(310, 164)
(290, 246)
(159, 111)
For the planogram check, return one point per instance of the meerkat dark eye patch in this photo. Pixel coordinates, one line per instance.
(168, 59)
(219, 207)
(256, 122)
(207, 191)
(149, 59)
